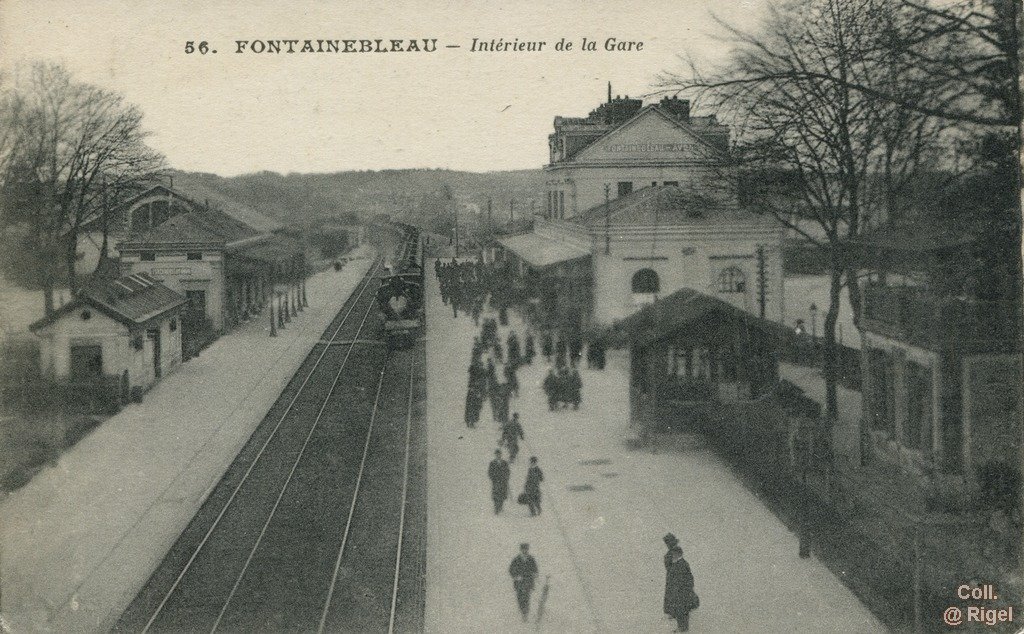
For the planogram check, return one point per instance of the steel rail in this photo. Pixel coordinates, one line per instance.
(352, 506)
(291, 473)
(177, 581)
(405, 491)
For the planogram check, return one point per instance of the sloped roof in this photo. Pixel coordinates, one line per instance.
(710, 143)
(540, 251)
(662, 205)
(200, 227)
(132, 300)
(194, 196)
(232, 207)
(685, 306)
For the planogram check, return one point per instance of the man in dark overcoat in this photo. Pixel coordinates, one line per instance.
(550, 386)
(680, 597)
(523, 570)
(498, 472)
(511, 433)
(574, 388)
(530, 351)
(531, 489)
(514, 352)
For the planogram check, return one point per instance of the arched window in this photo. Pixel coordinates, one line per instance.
(732, 280)
(645, 281)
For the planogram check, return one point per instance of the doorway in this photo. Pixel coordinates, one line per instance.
(153, 334)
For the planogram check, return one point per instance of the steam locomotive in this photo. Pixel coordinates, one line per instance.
(400, 295)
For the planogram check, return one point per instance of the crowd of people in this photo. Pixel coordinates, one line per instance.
(480, 291)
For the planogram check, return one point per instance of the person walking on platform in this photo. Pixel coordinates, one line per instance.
(523, 570)
(511, 432)
(680, 597)
(574, 387)
(498, 472)
(546, 346)
(490, 377)
(575, 350)
(550, 386)
(529, 350)
(499, 402)
(515, 357)
(511, 379)
(474, 403)
(531, 490)
(595, 355)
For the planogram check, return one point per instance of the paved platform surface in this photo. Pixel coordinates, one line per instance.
(84, 535)
(606, 507)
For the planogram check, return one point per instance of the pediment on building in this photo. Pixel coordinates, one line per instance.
(651, 135)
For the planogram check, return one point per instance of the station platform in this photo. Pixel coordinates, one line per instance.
(606, 506)
(84, 535)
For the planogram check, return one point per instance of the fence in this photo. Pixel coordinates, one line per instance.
(871, 526)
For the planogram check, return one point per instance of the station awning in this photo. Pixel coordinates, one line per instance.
(540, 251)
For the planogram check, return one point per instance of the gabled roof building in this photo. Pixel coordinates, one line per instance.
(640, 204)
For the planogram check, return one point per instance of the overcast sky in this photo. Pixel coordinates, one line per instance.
(231, 113)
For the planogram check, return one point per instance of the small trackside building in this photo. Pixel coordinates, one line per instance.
(691, 353)
(115, 336)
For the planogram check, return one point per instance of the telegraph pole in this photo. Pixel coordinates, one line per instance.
(607, 216)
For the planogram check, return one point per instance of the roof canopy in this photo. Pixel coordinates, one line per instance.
(539, 251)
(680, 309)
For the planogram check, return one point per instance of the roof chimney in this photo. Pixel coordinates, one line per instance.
(609, 92)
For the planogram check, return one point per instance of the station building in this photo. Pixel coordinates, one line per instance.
(623, 146)
(671, 220)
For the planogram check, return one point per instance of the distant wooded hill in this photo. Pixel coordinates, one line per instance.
(309, 200)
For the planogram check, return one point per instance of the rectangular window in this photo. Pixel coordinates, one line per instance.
(561, 204)
(194, 255)
(672, 183)
(147, 256)
(174, 325)
(918, 427)
(625, 188)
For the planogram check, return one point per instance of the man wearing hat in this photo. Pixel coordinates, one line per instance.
(523, 570)
(680, 597)
(498, 472)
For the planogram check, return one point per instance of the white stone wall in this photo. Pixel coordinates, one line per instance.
(113, 337)
(687, 262)
(651, 150)
(181, 275)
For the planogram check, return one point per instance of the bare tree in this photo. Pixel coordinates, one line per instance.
(79, 149)
(820, 156)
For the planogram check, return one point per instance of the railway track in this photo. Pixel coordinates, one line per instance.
(295, 534)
